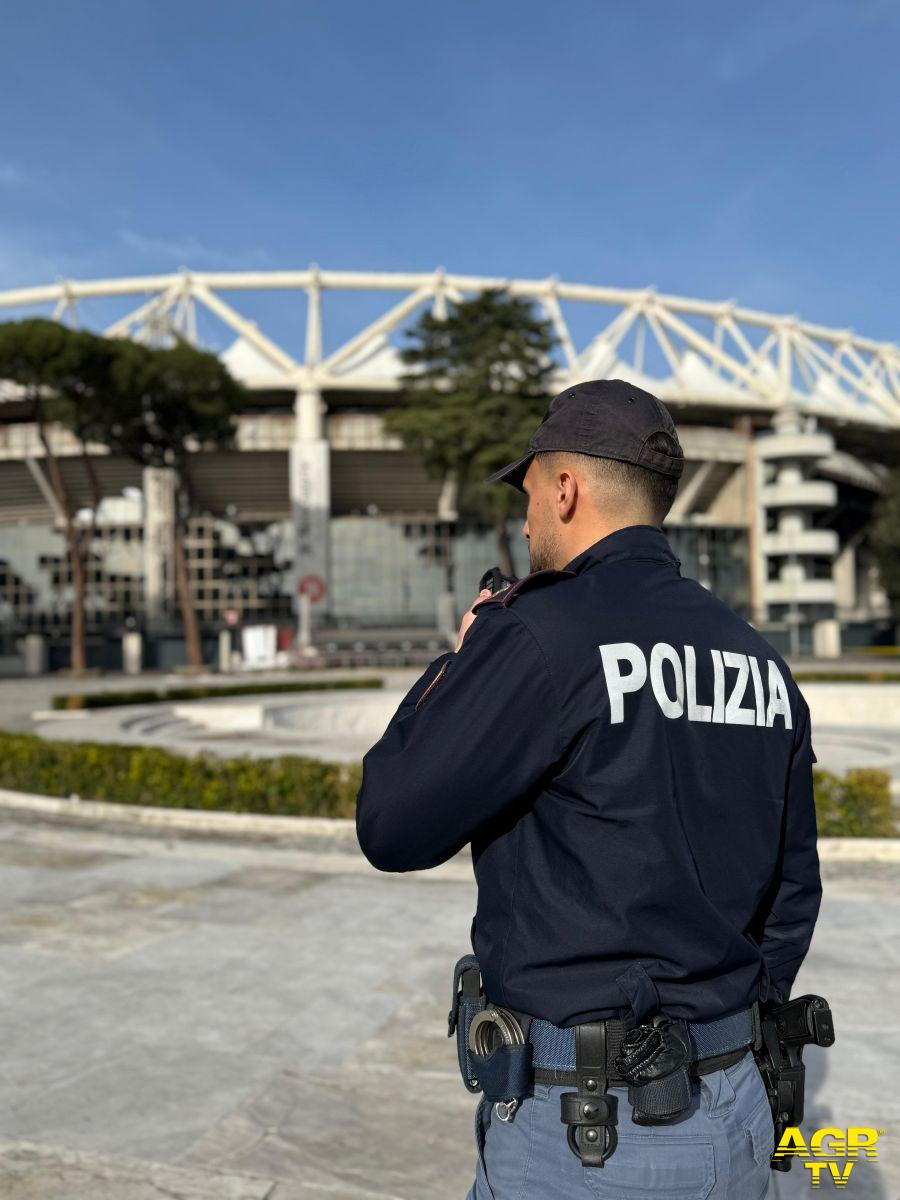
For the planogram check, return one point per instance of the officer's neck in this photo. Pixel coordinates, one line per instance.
(574, 540)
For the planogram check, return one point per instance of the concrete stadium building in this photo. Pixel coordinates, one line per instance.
(788, 430)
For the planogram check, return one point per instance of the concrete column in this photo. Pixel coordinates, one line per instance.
(159, 537)
(445, 617)
(445, 606)
(304, 644)
(755, 531)
(310, 502)
(845, 578)
(132, 653)
(446, 504)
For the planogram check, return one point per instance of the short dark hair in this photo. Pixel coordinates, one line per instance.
(655, 491)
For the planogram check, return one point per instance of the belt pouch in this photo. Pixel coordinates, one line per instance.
(661, 1101)
(468, 1000)
(506, 1072)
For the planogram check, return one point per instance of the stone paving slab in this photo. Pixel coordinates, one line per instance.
(57, 1173)
(193, 1018)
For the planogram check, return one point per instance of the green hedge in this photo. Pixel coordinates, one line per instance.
(78, 700)
(288, 786)
(846, 676)
(858, 804)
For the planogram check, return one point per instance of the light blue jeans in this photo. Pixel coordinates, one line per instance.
(720, 1148)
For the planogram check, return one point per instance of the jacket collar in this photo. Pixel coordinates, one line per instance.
(634, 541)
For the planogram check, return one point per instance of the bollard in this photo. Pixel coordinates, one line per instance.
(34, 652)
(826, 638)
(225, 663)
(132, 652)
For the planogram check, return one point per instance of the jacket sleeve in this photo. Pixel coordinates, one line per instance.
(466, 744)
(797, 888)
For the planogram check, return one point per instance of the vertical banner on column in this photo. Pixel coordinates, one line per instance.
(311, 506)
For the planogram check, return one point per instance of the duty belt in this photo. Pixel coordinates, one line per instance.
(502, 1052)
(714, 1044)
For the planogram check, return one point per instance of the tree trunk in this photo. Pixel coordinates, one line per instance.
(182, 587)
(80, 543)
(78, 633)
(78, 650)
(504, 549)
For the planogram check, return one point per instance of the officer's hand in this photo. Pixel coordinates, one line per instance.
(470, 616)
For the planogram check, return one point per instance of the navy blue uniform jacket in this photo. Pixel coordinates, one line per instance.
(631, 763)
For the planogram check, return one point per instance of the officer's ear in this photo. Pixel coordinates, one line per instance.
(567, 490)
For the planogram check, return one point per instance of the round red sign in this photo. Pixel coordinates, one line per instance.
(312, 586)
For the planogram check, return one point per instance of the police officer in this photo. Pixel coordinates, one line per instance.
(631, 763)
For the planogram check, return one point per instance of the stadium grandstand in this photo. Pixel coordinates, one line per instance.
(788, 430)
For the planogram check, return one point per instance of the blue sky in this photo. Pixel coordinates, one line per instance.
(716, 150)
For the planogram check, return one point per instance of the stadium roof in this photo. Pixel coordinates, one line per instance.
(716, 354)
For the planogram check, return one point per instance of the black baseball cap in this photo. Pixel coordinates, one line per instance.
(605, 417)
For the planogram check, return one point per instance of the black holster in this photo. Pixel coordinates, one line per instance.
(782, 1030)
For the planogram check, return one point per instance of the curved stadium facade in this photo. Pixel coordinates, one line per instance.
(788, 430)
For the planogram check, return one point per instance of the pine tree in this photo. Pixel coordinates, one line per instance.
(476, 387)
(65, 379)
(170, 403)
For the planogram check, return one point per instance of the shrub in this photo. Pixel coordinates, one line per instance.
(75, 701)
(867, 676)
(287, 786)
(858, 804)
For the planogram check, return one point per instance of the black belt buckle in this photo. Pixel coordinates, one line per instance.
(591, 1108)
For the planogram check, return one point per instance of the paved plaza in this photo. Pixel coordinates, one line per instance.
(252, 1019)
(235, 1020)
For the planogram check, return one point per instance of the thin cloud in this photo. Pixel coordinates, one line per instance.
(11, 175)
(189, 251)
(24, 263)
(763, 42)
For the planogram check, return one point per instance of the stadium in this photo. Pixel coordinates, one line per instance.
(788, 430)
